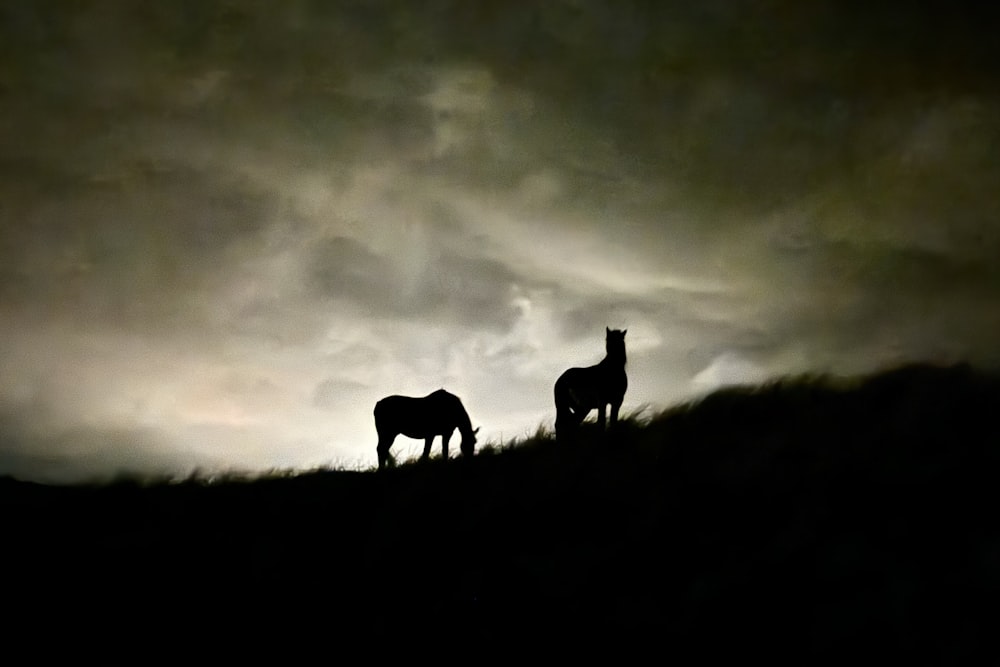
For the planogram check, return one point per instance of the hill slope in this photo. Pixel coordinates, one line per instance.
(821, 517)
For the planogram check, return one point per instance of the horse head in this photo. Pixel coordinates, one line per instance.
(468, 445)
(615, 343)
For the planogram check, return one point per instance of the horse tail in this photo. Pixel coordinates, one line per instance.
(565, 413)
(565, 396)
(382, 449)
(379, 414)
(559, 394)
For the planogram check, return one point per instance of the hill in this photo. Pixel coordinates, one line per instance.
(817, 516)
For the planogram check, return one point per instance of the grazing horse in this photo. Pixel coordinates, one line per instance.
(438, 413)
(580, 390)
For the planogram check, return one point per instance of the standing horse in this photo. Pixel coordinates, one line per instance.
(580, 390)
(438, 413)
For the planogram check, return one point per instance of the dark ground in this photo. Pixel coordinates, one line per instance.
(797, 516)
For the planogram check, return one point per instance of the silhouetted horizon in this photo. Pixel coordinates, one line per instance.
(229, 228)
(803, 517)
(825, 382)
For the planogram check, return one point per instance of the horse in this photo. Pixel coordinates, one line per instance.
(438, 413)
(580, 390)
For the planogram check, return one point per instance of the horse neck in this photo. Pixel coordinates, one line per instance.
(613, 359)
(464, 424)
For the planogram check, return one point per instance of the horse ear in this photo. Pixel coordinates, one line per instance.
(607, 330)
(624, 331)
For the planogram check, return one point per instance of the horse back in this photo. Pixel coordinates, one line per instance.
(592, 386)
(424, 417)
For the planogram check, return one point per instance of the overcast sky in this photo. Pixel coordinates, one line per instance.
(227, 228)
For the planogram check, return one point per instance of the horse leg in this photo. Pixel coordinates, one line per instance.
(427, 448)
(563, 418)
(614, 413)
(568, 423)
(444, 444)
(384, 443)
(602, 415)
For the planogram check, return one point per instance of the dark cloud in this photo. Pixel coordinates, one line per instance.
(928, 304)
(588, 317)
(445, 286)
(289, 207)
(748, 103)
(342, 266)
(131, 250)
(879, 301)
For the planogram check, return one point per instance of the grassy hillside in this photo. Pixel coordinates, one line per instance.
(814, 516)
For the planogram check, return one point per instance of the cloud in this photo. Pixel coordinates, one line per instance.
(444, 286)
(134, 250)
(229, 230)
(333, 392)
(92, 453)
(729, 369)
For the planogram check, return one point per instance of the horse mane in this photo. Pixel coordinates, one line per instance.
(464, 422)
(438, 413)
(580, 390)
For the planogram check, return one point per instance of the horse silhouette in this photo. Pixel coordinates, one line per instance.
(580, 390)
(438, 413)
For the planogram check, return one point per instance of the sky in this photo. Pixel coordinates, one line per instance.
(227, 228)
